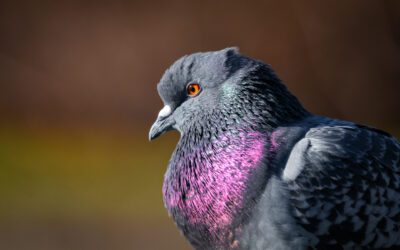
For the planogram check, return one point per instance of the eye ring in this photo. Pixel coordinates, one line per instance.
(193, 89)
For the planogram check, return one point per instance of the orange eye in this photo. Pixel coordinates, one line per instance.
(193, 89)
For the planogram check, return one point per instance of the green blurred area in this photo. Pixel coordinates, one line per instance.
(79, 179)
(92, 169)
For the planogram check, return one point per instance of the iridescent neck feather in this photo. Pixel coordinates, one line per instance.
(206, 187)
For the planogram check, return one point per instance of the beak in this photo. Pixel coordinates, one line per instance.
(163, 123)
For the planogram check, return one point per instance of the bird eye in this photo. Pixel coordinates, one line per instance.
(193, 89)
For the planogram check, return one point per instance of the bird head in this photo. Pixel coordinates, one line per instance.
(219, 89)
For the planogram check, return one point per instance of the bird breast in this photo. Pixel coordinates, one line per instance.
(204, 186)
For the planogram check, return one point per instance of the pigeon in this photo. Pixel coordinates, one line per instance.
(253, 169)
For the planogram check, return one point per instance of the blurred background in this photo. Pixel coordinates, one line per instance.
(78, 95)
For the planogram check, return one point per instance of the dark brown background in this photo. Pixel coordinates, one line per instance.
(78, 94)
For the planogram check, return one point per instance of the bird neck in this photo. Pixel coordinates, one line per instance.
(206, 187)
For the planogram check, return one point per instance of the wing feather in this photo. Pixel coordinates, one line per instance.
(348, 190)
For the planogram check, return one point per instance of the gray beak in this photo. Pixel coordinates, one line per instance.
(163, 123)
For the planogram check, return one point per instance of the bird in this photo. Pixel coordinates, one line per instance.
(254, 169)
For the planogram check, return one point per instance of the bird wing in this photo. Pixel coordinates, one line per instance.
(344, 186)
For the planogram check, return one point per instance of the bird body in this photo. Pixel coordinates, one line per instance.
(254, 170)
(338, 189)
